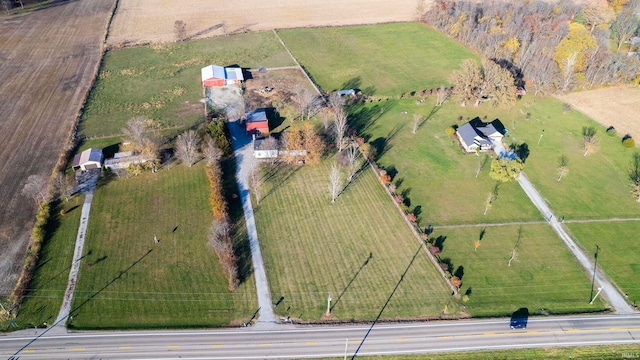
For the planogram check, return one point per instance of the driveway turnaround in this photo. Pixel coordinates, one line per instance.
(612, 294)
(245, 162)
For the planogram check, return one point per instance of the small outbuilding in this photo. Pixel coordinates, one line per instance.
(122, 160)
(88, 159)
(214, 75)
(257, 122)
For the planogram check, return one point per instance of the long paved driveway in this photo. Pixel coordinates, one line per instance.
(612, 294)
(245, 162)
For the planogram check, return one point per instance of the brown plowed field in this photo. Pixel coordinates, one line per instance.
(48, 59)
(615, 106)
(144, 21)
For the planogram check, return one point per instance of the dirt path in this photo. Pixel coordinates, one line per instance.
(612, 294)
(48, 59)
(245, 163)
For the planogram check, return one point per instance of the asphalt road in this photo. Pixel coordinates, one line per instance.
(290, 341)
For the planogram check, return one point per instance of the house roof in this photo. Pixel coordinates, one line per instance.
(89, 155)
(257, 115)
(478, 132)
(346, 92)
(262, 144)
(216, 71)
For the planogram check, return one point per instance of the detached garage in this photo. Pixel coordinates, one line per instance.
(88, 159)
(257, 122)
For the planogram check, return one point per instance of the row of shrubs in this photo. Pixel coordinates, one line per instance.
(220, 238)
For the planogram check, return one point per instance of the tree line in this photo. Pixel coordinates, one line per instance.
(554, 46)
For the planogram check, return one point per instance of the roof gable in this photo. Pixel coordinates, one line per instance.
(257, 115)
(219, 72)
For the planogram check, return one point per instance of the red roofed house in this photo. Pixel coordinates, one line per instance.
(257, 122)
(214, 75)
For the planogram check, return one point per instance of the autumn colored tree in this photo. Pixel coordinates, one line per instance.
(489, 83)
(313, 143)
(505, 169)
(571, 54)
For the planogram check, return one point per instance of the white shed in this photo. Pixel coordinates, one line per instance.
(88, 159)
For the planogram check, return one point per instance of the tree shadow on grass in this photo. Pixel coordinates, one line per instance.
(279, 174)
(362, 117)
(366, 261)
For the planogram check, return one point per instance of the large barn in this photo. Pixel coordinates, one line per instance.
(214, 75)
(257, 122)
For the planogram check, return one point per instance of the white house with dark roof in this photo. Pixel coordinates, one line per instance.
(214, 75)
(88, 159)
(477, 136)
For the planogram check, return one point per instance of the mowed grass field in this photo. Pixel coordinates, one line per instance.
(356, 249)
(430, 168)
(543, 275)
(44, 296)
(162, 82)
(386, 59)
(619, 250)
(128, 281)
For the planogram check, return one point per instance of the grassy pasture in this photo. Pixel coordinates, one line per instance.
(127, 281)
(162, 82)
(544, 275)
(44, 297)
(312, 247)
(619, 249)
(430, 168)
(386, 59)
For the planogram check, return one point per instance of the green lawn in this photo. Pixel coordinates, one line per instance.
(128, 281)
(44, 298)
(605, 352)
(544, 275)
(162, 82)
(312, 248)
(619, 251)
(430, 168)
(387, 59)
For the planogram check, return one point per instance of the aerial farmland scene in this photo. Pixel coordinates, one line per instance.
(411, 179)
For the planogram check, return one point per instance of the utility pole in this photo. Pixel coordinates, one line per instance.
(593, 280)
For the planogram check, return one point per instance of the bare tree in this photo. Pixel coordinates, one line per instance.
(63, 185)
(441, 95)
(336, 102)
(515, 247)
(334, 182)
(482, 163)
(590, 140)
(352, 157)
(6, 5)
(36, 188)
(563, 168)
(568, 72)
(180, 30)
(416, 123)
(626, 23)
(307, 103)
(212, 154)
(255, 183)
(340, 127)
(187, 148)
(326, 117)
(134, 132)
(488, 203)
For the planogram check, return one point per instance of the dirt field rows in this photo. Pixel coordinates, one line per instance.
(142, 21)
(615, 106)
(48, 59)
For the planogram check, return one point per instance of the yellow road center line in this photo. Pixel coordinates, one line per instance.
(489, 334)
(173, 346)
(78, 349)
(124, 347)
(445, 337)
(28, 351)
(354, 341)
(311, 343)
(402, 339)
(574, 330)
(265, 344)
(217, 345)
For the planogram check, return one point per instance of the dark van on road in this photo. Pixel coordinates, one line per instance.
(519, 319)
